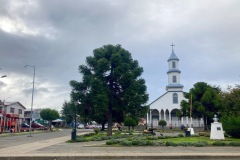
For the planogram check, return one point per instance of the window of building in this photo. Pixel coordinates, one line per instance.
(12, 110)
(173, 64)
(175, 98)
(174, 79)
(19, 111)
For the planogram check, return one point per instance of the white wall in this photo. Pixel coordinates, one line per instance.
(165, 102)
(16, 106)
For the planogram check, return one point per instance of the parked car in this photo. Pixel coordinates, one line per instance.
(39, 126)
(25, 127)
(80, 126)
(87, 127)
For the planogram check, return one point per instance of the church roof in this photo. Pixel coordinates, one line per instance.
(175, 85)
(164, 95)
(173, 56)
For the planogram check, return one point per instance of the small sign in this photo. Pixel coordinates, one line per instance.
(219, 128)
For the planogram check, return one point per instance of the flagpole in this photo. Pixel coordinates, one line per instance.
(191, 113)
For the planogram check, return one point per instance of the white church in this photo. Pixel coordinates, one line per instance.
(166, 106)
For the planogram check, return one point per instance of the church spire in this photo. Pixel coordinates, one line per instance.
(173, 73)
(172, 46)
(173, 55)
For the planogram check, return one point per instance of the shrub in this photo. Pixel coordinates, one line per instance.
(231, 126)
(162, 123)
(234, 144)
(170, 143)
(130, 122)
(96, 130)
(158, 143)
(113, 141)
(106, 137)
(97, 139)
(139, 142)
(151, 138)
(185, 144)
(126, 143)
(109, 142)
(219, 143)
(201, 144)
(150, 143)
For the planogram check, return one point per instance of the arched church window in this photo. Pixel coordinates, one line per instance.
(173, 64)
(175, 98)
(174, 79)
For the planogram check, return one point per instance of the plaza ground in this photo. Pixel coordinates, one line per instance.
(52, 145)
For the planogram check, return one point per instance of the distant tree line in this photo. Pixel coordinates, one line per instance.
(207, 100)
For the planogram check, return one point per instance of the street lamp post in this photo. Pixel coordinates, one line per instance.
(74, 132)
(30, 131)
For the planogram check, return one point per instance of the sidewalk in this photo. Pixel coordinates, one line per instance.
(58, 149)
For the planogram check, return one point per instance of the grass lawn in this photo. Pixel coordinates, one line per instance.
(199, 139)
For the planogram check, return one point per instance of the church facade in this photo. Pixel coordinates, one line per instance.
(166, 106)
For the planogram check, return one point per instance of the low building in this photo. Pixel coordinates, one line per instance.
(35, 115)
(11, 115)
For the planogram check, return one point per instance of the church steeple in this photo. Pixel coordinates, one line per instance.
(173, 73)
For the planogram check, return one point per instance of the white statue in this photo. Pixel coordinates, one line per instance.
(215, 119)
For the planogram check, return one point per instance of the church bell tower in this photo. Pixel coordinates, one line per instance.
(173, 73)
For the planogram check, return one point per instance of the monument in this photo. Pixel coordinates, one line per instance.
(216, 129)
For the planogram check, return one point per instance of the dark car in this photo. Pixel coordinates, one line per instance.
(39, 126)
(25, 127)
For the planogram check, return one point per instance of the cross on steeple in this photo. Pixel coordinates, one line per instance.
(172, 46)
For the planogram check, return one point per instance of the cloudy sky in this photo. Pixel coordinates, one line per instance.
(56, 36)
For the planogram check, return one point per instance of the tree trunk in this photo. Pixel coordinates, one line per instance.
(50, 125)
(103, 127)
(110, 106)
(109, 129)
(205, 122)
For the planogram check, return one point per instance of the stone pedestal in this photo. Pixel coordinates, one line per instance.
(216, 131)
(191, 131)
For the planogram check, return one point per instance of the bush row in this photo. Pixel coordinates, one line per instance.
(137, 142)
(142, 142)
(222, 143)
(86, 138)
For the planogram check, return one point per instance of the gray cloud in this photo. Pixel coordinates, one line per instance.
(56, 37)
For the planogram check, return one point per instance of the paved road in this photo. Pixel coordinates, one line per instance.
(13, 140)
(52, 145)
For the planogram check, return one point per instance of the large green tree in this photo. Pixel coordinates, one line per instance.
(49, 115)
(111, 88)
(231, 102)
(230, 111)
(206, 101)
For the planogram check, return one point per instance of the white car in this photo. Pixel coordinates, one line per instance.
(80, 126)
